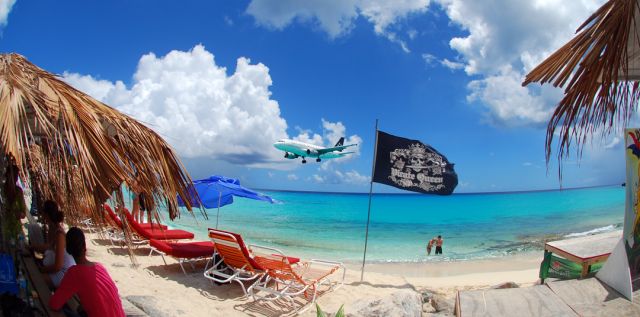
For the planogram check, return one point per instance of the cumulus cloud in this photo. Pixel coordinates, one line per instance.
(335, 177)
(336, 17)
(292, 177)
(199, 108)
(507, 102)
(203, 111)
(505, 40)
(5, 8)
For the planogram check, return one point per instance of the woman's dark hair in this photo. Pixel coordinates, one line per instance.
(50, 208)
(75, 242)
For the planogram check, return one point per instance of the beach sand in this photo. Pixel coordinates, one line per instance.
(165, 290)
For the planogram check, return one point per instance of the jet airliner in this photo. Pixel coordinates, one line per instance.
(295, 149)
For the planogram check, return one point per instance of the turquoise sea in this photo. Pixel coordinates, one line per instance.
(332, 225)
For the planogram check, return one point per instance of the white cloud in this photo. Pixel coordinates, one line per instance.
(429, 59)
(507, 102)
(292, 177)
(204, 112)
(197, 107)
(5, 8)
(452, 65)
(333, 176)
(336, 17)
(505, 40)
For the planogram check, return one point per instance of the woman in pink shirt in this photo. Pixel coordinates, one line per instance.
(97, 292)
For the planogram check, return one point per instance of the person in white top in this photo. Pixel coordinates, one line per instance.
(56, 260)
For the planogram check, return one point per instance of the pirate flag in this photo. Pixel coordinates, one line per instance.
(412, 165)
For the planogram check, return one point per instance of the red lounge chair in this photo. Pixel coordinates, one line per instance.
(117, 221)
(157, 233)
(183, 251)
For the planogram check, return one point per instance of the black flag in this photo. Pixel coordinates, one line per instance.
(412, 165)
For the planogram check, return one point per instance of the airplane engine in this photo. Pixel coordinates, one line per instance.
(290, 156)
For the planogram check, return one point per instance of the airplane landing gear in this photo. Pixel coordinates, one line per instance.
(318, 160)
(304, 161)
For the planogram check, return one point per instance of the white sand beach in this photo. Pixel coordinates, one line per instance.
(165, 290)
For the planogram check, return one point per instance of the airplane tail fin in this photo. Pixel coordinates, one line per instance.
(340, 142)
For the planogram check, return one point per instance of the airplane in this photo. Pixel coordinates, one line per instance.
(295, 149)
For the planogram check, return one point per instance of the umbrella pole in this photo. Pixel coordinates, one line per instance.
(218, 215)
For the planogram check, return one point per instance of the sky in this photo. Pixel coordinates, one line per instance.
(221, 81)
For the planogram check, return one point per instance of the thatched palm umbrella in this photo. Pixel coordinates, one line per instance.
(600, 67)
(77, 150)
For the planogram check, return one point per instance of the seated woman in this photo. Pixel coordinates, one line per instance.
(56, 260)
(97, 292)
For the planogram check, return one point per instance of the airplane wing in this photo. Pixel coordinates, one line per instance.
(334, 149)
(331, 155)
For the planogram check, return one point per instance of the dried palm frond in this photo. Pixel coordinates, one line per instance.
(77, 150)
(594, 66)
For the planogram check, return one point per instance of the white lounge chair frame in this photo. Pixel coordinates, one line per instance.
(290, 288)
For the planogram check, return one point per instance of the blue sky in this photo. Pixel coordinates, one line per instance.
(223, 80)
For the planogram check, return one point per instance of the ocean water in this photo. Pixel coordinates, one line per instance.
(332, 225)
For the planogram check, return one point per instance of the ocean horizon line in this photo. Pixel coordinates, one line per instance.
(414, 193)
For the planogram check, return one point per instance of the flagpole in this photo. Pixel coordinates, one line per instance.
(366, 235)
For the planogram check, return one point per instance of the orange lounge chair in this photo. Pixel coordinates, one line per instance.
(183, 251)
(157, 233)
(235, 257)
(289, 280)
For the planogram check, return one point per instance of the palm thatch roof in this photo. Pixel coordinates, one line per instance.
(78, 151)
(599, 69)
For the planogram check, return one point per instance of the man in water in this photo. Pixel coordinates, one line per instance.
(439, 245)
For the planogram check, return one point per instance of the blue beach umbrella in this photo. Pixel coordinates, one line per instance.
(217, 191)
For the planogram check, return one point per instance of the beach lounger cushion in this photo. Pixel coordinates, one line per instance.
(156, 233)
(184, 249)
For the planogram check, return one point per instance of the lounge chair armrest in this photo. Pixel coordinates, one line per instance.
(325, 262)
(268, 250)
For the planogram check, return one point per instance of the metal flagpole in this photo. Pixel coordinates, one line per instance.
(218, 215)
(366, 235)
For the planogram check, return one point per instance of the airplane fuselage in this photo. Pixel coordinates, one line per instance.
(294, 149)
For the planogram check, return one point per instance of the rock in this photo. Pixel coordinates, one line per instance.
(131, 310)
(426, 296)
(401, 303)
(441, 304)
(506, 285)
(149, 304)
(427, 308)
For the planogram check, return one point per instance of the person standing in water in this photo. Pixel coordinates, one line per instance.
(430, 245)
(439, 242)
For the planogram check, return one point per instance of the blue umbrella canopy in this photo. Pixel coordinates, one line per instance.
(217, 191)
